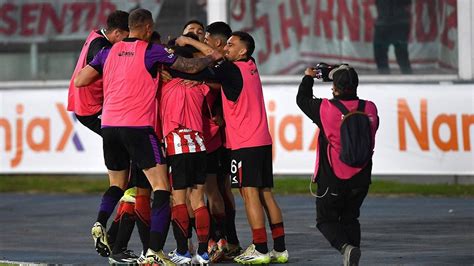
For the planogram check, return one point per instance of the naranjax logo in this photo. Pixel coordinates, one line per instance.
(24, 130)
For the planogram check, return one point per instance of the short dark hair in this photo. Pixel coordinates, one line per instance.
(345, 80)
(220, 29)
(193, 22)
(117, 20)
(139, 17)
(155, 37)
(247, 40)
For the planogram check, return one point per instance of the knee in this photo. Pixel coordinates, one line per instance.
(350, 219)
(213, 195)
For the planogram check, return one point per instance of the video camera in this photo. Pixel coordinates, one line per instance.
(322, 71)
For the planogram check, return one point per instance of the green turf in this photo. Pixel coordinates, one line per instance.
(283, 185)
(378, 187)
(53, 183)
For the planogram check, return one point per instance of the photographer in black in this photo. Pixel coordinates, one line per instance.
(341, 187)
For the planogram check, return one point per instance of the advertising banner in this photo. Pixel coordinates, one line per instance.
(291, 34)
(26, 21)
(424, 129)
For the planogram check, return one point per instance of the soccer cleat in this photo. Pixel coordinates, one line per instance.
(211, 245)
(126, 256)
(231, 251)
(278, 257)
(171, 253)
(142, 259)
(217, 250)
(181, 259)
(351, 255)
(202, 259)
(157, 257)
(99, 234)
(252, 256)
(190, 248)
(129, 195)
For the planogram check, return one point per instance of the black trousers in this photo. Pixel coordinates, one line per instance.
(337, 214)
(397, 35)
(92, 122)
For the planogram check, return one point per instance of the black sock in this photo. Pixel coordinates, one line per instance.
(218, 230)
(160, 219)
(181, 239)
(279, 244)
(202, 248)
(127, 222)
(213, 234)
(109, 200)
(192, 225)
(144, 232)
(112, 233)
(230, 226)
(261, 247)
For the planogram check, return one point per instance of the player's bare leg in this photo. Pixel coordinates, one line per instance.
(279, 254)
(257, 252)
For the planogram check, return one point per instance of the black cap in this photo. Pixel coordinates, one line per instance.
(345, 78)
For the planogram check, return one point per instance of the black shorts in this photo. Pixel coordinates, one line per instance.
(252, 167)
(137, 178)
(224, 162)
(187, 169)
(213, 161)
(92, 122)
(140, 145)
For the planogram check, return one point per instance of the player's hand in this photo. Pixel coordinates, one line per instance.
(165, 76)
(310, 71)
(191, 83)
(216, 56)
(182, 40)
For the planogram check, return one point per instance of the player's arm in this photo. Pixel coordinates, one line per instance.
(95, 47)
(202, 47)
(158, 54)
(229, 75)
(93, 71)
(192, 65)
(86, 76)
(305, 100)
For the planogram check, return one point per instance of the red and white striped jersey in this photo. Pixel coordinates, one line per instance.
(184, 140)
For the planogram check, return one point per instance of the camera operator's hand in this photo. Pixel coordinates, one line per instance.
(310, 72)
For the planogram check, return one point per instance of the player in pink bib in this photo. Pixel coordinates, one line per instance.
(248, 136)
(129, 115)
(86, 102)
(224, 243)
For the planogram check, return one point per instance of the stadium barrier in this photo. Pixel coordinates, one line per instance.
(425, 129)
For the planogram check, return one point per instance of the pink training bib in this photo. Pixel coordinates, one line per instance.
(129, 89)
(86, 100)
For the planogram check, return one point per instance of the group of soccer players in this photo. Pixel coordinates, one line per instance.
(180, 123)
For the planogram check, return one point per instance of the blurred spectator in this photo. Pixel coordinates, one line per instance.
(392, 27)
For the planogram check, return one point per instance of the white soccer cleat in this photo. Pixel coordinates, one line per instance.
(99, 234)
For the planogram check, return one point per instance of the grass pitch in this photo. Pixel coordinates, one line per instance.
(90, 184)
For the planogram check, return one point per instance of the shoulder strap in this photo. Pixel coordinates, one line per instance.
(361, 106)
(339, 106)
